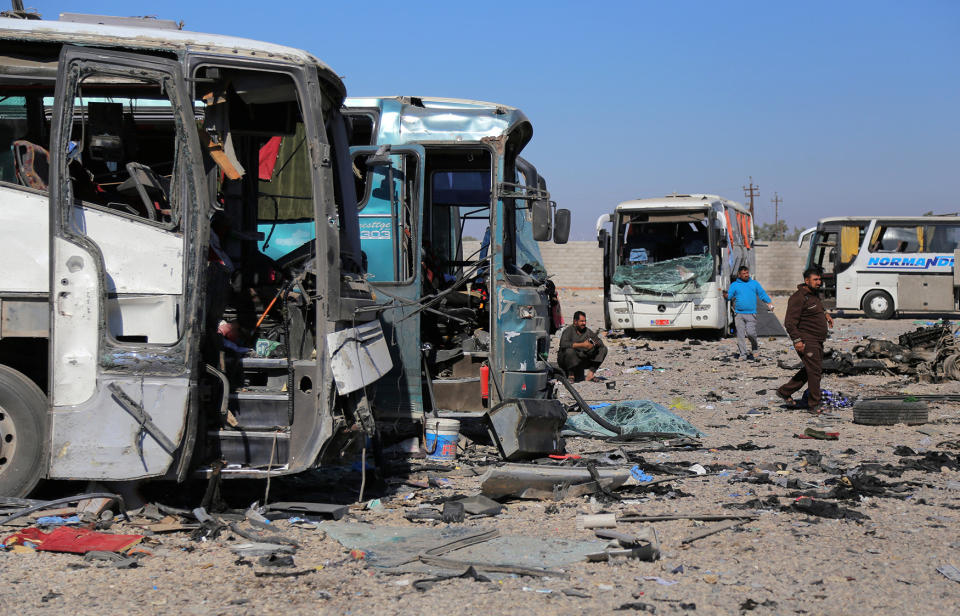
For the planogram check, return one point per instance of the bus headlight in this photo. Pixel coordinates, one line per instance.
(699, 307)
(621, 310)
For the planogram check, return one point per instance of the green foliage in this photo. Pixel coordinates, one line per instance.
(776, 231)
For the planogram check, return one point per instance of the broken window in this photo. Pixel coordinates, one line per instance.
(528, 256)
(361, 128)
(941, 238)
(387, 202)
(897, 238)
(657, 237)
(122, 151)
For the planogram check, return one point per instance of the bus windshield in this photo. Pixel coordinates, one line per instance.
(654, 238)
(665, 252)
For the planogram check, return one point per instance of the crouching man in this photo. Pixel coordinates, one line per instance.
(581, 350)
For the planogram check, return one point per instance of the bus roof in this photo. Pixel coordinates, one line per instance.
(907, 219)
(418, 119)
(678, 201)
(159, 38)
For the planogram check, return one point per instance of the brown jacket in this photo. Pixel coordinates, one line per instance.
(806, 317)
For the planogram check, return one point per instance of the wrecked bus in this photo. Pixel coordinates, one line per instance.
(667, 261)
(887, 264)
(143, 333)
(467, 329)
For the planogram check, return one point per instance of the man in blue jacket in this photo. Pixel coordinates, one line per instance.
(744, 293)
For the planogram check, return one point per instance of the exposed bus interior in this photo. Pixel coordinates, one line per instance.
(455, 332)
(261, 311)
(833, 249)
(665, 252)
(130, 167)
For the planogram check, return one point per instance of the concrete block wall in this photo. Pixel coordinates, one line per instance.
(780, 265)
(578, 264)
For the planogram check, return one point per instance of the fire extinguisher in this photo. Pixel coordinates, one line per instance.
(485, 385)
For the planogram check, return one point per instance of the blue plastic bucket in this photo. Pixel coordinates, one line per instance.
(441, 438)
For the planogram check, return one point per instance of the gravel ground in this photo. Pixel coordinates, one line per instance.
(784, 562)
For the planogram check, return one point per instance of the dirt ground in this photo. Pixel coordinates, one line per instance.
(786, 561)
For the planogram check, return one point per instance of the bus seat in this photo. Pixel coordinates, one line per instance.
(31, 164)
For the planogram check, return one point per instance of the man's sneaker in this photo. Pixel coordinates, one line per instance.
(751, 357)
(736, 356)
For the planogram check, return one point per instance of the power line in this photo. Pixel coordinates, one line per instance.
(750, 192)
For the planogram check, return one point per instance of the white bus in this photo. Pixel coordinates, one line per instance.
(668, 260)
(885, 264)
(144, 332)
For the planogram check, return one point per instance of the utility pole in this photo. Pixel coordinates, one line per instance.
(750, 192)
(776, 201)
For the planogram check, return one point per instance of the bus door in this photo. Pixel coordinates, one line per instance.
(824, 255)
(850, 238)
(120, 400)
(390, 189)
(834, 249)
(605, 239)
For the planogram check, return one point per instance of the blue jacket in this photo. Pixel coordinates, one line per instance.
(744, 296)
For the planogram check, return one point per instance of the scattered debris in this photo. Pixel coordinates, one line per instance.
(714, 530)
(819, 435)
(950, 571)
(527, 428)
(641, 545)
(72, 540)
(548, 482)
(635, 418)
(930, 354)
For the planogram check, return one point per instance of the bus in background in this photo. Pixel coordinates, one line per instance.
(467, 331)
(884, 264)
(668, 260)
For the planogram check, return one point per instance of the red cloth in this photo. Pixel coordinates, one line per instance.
(73, 540)
(268, 157)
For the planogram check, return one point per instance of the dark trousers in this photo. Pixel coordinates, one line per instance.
(578, 360)
(809, 373)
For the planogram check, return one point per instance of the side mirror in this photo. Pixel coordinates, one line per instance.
(833, 255)
(602, 237)
(722, 242)
(561, 224)
(542, 223)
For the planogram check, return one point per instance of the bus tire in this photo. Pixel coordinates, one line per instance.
(727, 330)
(878, 304)
(23, 433)
(890, 412)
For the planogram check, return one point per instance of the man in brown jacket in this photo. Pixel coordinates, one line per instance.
(807, 322)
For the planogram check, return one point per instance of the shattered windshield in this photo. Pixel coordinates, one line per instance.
(529, 259)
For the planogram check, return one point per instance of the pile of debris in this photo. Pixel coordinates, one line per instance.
(931, 354)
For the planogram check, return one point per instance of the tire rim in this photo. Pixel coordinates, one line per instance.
(879, 304)
(8, 440)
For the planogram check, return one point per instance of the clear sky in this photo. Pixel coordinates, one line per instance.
(843, 108)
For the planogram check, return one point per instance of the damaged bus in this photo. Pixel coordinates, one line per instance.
(883, 265)
(667, 261)
(144, 334)
(467, 331)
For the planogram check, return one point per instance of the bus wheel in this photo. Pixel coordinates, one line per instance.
(23, 411)
(878, 305)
